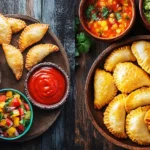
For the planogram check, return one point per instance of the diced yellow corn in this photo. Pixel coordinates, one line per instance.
(3, 122)
(118, 31)
(11, 131)
(9, 94)
(111, 20)
(15, 113)
(103, 23)
(120, 20)
(114, 26)
(106, 28)
(17, 96)
(2, 104)
(16, 121)
(112, 15)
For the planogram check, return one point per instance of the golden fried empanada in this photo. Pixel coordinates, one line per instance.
(141, 51)
(122, 54)
(16, 24)
(114, 116)
(5, 30)
(104, 88)
(14, 59)
(147, 119)
(129, 77)
(37, 53)
(136, 128)
(32, 34)
(140, 97)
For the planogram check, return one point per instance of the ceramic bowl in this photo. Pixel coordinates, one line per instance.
(43, 106)
(31, 119)
(81, 17)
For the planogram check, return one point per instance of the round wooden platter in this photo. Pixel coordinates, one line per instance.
(96, 116)
(43, 119)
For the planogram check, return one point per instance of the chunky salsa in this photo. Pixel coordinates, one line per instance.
(146, 8)
(47, 85)
(108, 18)
(14, 114)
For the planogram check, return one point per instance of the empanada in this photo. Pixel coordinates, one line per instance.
(141, 51)
(122, 54)
(147, 119)
(37, 53)
(16, 24)
(5, 30)
(114, 116)
(32, 34)
(129, 77)
(136, 129)
(14, 59)
(104, 88)
(140, 97)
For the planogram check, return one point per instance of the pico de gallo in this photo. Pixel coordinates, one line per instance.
(14, 114)
(108, 18)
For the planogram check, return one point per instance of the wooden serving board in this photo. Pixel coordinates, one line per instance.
(43, 119)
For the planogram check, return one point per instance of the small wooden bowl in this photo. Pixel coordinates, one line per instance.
(81, 17)
(144, 20)
(43, 106)
(96, 116)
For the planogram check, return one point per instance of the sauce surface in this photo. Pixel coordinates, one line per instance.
(47, 85)
(108, 18)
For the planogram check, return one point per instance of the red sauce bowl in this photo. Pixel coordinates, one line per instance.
(82, 8)
(47, 85)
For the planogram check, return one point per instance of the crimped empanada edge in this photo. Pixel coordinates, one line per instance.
(106, 117)
(99, 106)
(124, 48)
(21, 47)
(133, 113)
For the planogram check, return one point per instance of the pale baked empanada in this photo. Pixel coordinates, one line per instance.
(16, 24)
(147, 119)
(14, 59)
(32, 34)
(129, 77)
(140, 97)
(114, 116)
(136, 129)
(37, 53)
(104, 88)
(122, 54)
(5, 30)
(141, 51)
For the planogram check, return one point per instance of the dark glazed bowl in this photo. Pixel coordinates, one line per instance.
(144, 20)
(81, 17)
(53, 106)
(96, 116)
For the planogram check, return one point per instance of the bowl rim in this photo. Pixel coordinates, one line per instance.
(43, 106)
(81, 6)
(31, 109)
(109, 49)
(146, 23)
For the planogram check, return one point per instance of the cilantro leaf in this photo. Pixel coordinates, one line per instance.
(76, 53)
(94, 16)
(83, 43)
(88, 11)
(105, 12)
(118, 15)
(77, 23)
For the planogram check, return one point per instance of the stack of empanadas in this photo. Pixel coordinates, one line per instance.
(128, 110)
(30, 35)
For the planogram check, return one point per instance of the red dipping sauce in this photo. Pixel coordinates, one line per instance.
(47, 85)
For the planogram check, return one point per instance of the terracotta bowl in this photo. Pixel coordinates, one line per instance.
(144, 20)
(81, 17)
(96, 116)
(43, 106)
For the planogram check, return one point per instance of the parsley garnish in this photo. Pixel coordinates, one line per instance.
(118, 15)
(105, 12)
(94, 16)
(88, 11)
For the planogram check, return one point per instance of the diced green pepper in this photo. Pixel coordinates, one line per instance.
(27, 115)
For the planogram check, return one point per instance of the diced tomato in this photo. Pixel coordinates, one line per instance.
(2, 98)
(21, 127)
(26, 106)
(15, 102)
(21, 111)
(9, 122)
